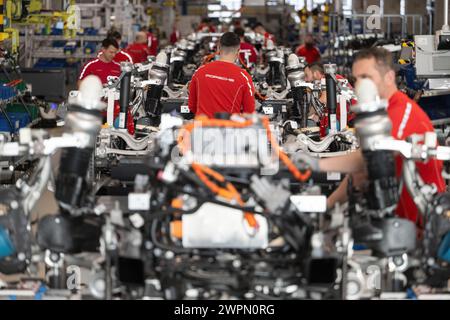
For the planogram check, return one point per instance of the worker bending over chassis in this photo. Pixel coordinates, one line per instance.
(221, 86)
(407, 119)
(315, 72)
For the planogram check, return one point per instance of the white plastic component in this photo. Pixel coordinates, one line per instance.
(117, 215)
(333, 124)
(137, 221)
(268, 110)
(293, 60)
(161, 58)
(139, 201)
(168, 122)
(333, 176)
(25, 136)
(110, 110)
(122, 118)
(10, 149)
(343, 112)
(215, 226)
(310, 203)
(185, 109)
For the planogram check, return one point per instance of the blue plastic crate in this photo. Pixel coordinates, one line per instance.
(70, 47)
(50, 63)
(19, 120)
(58, 43)
(6, 92)
(90, 31)
(90, 47)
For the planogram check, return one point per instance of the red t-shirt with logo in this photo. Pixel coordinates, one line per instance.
(407, 119)
(248, 49)
(103, 70)
(311, 54)
(221, 87)
(138, 52)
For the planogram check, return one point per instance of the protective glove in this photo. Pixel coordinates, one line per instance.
(304, 161)
(273, 196)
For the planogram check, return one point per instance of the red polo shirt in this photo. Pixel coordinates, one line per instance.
(138, 51)
(247, 48)
(121, 56)
(103, 70)
(311, 54)
(221, 87)
(407, 119)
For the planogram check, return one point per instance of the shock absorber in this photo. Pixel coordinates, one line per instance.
(84, 116)
(295, 75)
(125, 90)
(330, 71)
(158, 76)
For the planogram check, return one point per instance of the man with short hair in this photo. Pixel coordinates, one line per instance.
(139, 50)
(315, 72)
(221, 86)
(308, 50)
(104, 65)
(121, 56)
(407, 119)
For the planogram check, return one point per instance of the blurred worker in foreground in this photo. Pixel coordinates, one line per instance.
(247, 51)
(259, 29)
(139, 50)
(308, 50)
(104, 65)
(407, 119)
(221, 86)
(121, 55)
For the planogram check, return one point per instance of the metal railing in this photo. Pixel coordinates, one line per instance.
(388, 23)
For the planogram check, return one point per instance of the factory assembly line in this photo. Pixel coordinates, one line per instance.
(204, 172)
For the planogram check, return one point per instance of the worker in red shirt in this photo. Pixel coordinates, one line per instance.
(152, 42)
(259, 28)
(104, 65)
(221, 86)
(139, 50)
(206, 26)
(407, 119)
(247, 51)
(121, 56)
(175, 35)
(308, 50)
(315, 72)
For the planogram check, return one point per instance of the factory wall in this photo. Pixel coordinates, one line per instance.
(439, 15)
